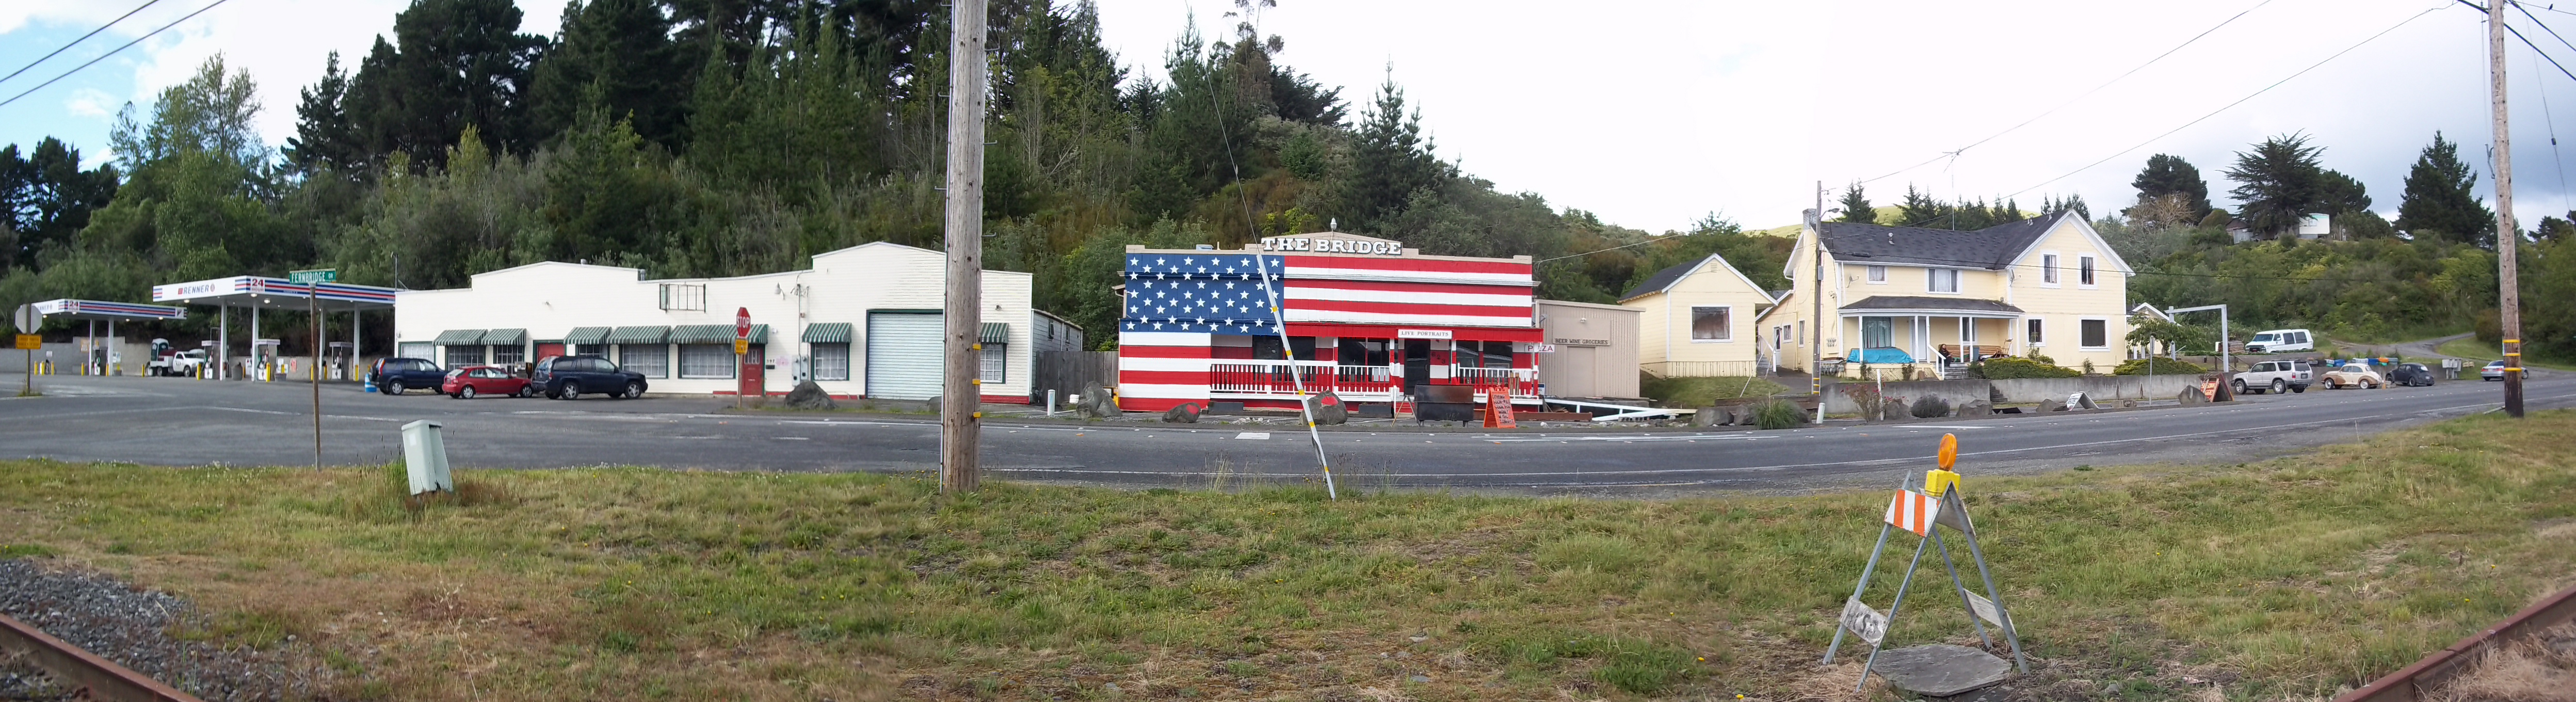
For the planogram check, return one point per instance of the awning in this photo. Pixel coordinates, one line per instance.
(996, 333)
(638, 335)
(505, 337)
(101, 309)
(587, 336)
(827, 333)
(459, 337)
(715, 334)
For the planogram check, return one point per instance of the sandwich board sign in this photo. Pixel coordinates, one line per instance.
(1924, 512)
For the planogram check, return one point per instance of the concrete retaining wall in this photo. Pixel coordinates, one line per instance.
(2107, 388)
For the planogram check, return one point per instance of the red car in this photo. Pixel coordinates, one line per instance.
(470, 381)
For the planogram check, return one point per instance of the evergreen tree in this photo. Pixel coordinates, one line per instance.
(2052, 205)
(1856, 207)
(2279, 183)
(624, 49)
(2167, 174)
(2441, 199)
(452, 64)
(1391, 159)
(1920, 210)
(45, 199)
(324, 138)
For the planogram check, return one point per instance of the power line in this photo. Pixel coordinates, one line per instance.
(2232, 105)
(1954, 153)
(2544, 26)
(76, 42)
(112, 52)
(2549, 116)
(2535, 48)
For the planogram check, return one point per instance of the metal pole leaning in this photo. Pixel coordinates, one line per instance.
(1884, 528)
(1261, 266)
(1987, 575)
(1892, 609)
(1961, 586)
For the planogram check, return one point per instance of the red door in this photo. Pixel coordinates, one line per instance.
(549, 348)
(750, 384)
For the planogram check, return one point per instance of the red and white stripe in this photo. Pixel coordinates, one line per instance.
(1160, 370)
(1407, 291)
(1913, 511)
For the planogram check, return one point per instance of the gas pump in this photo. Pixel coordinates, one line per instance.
(337, 359)
(263, 359)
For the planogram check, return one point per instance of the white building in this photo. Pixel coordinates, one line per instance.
(864, 321)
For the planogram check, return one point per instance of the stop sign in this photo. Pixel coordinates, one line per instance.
(742, 323)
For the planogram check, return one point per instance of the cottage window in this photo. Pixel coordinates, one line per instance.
(2048, 269)
(832, 361)
(2035, 328)
(1714, 323)
(2096, 333)
(2084, 270)
(652, 360)
(1944, 280)
(997, 364)
(706, 361)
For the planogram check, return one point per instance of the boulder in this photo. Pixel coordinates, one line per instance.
(809, 396)
(1976, 408)
(1185, 413)
(2046, 406)
(2081, 401)
(1705, 417)
(1096, 403)
(1893, 409)
(1328, 408)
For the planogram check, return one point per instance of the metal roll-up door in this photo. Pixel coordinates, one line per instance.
(903, 361)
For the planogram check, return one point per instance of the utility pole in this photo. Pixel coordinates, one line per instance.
(2508, 275)
(1816, 344)
(959, 423)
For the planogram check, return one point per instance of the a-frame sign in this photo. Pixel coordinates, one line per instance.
(1923, 512)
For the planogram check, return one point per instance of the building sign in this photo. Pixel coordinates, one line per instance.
(1533, 347)
(1421, 333)
(1583, 342)
(182, 291)
(1321, 245)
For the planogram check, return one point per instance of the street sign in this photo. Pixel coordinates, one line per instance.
(28, 319)
(741, 323)
(318, 275)
(30, 342)
(741, 346)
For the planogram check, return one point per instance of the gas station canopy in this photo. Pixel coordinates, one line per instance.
(110, 311)
(276, 293)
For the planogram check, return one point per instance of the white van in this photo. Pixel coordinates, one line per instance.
(2279, 340)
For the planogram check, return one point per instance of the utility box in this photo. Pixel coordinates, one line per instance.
(425, 457)
(2450, 369)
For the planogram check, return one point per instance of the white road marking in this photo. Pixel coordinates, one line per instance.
(1946, 426)
(1255, 435)
(792, 438)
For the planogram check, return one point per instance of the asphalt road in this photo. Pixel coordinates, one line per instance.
(193, 422)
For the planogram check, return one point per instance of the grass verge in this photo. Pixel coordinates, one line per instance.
(2481, 352)
(1703, 391)
(2288, 577)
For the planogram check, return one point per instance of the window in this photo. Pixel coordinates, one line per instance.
(706, 361)
(2094, 333)
(1268, 348)
(1713, 323)
(2084, 270)
(1878, 274)
(416, 349)
(1944, 280)
(2048, 269)
(1498, 354)
(1776, 333)
(997, 363)
(832, 361)
(2035, 337)
(1877, 332)
(1802, 332)
(652, 360)
(509, 354)
(1362, 352)
(691, 297)
(464, 355)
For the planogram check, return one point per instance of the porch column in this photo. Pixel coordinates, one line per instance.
(223, 341)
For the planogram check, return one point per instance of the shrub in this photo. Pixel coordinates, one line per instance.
(1779, 414)
(2164, 366)
(2010, 368)
(1928, 407)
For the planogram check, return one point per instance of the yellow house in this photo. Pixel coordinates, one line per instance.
(1909, 299)
(1696, 319)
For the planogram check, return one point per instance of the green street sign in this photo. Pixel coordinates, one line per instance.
(323, 275)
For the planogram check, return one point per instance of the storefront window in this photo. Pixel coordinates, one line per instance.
(706, 361)
(652, 360)
(459, 356)
(1362, 352)
(508, 354)
(1267, 348)
(831, 361)
(996, 364)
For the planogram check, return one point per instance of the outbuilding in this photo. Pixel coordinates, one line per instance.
(864, 321)
(1591, 349)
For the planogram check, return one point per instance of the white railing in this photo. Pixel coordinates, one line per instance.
(1702, 369)
(1282, 378)
(1492, 376)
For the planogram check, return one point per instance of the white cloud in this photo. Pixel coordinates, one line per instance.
(91, 102)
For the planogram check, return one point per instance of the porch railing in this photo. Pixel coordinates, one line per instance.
(1283, 378)
(1521, 382)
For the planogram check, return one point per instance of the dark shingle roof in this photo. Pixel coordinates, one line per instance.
(1661, 279)
(1990, 248)
(1916, 302)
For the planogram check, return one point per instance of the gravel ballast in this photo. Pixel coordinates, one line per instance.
(133, 627)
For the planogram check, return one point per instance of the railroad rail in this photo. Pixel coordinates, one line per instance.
(100, 678)
(2414, 682)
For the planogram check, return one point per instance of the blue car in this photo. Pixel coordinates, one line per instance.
(394, 375)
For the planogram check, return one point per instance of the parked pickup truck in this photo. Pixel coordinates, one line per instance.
(186, 364)
(2275, 377)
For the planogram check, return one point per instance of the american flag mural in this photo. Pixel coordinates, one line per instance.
(1185, 309)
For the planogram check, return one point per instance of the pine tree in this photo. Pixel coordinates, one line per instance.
(1856, 207)
(1920, 210)
(452, 64)
(1392, 160)
(2167, 174)
(2441, 199)
(324, 139)
(623, 47)
(2279, 183)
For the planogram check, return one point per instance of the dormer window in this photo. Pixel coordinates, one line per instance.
(1943, 280)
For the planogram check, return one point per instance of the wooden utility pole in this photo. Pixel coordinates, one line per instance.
(959, 423)
(313, 308)
(2508, 277)
(1816, 344)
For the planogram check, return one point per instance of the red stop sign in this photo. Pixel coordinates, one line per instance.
(742, 323)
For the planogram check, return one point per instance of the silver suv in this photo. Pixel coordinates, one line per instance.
(2275, 377)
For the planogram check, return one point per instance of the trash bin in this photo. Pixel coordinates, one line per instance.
(425, 457)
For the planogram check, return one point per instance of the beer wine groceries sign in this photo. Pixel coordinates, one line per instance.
(1323, 245)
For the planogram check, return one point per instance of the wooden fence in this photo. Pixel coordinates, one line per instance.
(1068, 372)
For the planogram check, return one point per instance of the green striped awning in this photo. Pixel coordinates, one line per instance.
(587, 335)
(505, 337)
(995, 333)
(828, 333)
(459, 337)
(715, 334)
(637, 335)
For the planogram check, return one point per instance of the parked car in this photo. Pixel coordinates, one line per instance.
(567, 377)
(2275, 377)
(471, 381)
(2279, 340)
(2411, 375)
(394, 375)
(2353, 375)
(2493, 371)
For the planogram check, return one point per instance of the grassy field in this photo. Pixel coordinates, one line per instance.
(2283, 578)
(2482, 352)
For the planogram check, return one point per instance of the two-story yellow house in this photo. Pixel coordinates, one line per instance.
(1933, 299)
(1696, 319)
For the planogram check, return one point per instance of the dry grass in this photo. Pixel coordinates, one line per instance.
(2289, 577)
(2530, 670)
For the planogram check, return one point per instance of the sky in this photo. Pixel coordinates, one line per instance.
(1653, 115)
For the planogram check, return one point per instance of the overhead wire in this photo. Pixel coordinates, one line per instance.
(113, 52)
(76, 42)
(2546, 114)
